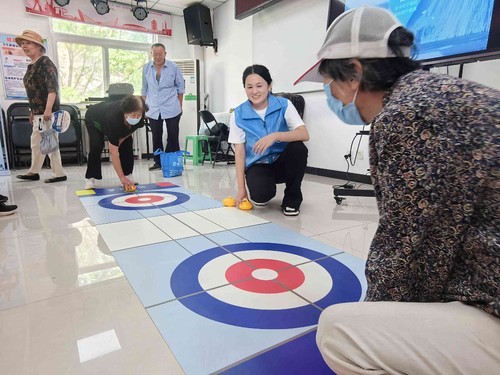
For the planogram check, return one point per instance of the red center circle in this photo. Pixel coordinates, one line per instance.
(289, 277)
(144, 199)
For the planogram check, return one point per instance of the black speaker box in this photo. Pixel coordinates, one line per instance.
(198, 24)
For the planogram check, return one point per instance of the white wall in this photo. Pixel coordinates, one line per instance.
(223, 71)
(285, 37)
(177, 47)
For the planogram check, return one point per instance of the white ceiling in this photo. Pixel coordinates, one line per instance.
(176, 6)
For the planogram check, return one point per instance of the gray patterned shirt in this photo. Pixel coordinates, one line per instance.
(434, 164)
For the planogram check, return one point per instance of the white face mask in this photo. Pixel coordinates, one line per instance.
(133, 121)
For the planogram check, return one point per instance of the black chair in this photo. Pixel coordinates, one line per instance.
(4, 136)
(218, 133)
(19, 134)
(297, 100)
(70, 142)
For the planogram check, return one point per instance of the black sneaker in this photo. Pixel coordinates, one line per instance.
(55, 179)
(7, 209)
(3, 198)
(155, 167)
(290, 211)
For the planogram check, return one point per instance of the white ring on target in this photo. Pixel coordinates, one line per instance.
(317, 284)
(121, 200)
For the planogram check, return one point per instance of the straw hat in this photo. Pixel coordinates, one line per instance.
(31, 36)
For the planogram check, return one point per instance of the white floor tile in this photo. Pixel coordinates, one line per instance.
(126, 234)
(198, 223)
(173, 227)
(231, 217)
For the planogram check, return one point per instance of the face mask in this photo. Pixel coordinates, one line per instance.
(348, 114)
(133, 121)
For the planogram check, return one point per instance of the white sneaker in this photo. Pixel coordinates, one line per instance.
(131, 179)
(290, 211)
(260, 204)
(90, 183)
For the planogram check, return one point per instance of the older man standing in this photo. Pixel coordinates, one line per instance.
(163, 91)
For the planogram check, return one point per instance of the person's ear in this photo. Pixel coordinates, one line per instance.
(355, 81)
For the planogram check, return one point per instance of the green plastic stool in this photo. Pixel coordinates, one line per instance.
(197, 156)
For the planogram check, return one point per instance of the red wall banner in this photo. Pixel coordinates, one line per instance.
(119, 15)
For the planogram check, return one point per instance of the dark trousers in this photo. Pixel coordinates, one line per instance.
(172, 134)
(289, 168)
(96, 144)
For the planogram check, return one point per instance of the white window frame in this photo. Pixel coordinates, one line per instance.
(106, 44)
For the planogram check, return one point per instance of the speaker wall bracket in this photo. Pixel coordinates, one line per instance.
(213, 43)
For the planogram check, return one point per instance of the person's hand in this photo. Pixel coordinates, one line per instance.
(264, 143)
(241, 195)
(31, 118)
(127, 184)
(47, 115)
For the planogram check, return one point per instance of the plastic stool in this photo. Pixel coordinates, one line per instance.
(197, 156)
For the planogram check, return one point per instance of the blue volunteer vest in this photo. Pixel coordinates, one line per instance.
(255, 128)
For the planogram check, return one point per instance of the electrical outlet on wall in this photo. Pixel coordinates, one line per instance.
(359, 155)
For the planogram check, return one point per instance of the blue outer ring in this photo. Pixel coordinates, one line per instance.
(184, 282)
(181, 198)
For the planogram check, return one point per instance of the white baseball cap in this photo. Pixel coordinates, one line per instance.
(358, 33)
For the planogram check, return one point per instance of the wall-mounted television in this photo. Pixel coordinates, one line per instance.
(447, 31)
(245, 8)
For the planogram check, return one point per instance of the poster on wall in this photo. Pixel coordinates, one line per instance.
(119, 16)
(14, 65)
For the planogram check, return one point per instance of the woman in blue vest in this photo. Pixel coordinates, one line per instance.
(267, 133)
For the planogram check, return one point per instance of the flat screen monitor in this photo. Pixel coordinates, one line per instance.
(447, 31)
(245, 8)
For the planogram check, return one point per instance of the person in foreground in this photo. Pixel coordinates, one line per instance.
(117, 120)
(42, 87)
(433, 270)
(163, 91)
(267, 133)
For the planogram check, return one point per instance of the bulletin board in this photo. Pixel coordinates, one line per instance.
(14, 65)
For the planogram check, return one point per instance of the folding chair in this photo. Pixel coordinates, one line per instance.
(218, 133)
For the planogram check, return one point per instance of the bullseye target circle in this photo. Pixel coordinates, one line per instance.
(263, 285)
(144, 200)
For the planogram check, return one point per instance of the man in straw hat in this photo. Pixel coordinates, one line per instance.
(433, 271)
(42, 88)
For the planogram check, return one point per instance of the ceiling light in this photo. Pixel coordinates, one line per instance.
(140, 11)
(62, 3)
(101, 6)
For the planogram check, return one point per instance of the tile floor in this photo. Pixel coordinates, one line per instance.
(76, 298)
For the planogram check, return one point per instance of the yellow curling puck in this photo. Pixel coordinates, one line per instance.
(245, 205)
(130, 188)
(229, 202)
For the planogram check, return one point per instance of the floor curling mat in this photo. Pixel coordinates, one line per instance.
(229, 292)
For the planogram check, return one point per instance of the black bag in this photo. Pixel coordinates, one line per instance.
(219, 129)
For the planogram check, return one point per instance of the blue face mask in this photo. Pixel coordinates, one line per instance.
(133, 121)
(348, 114)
